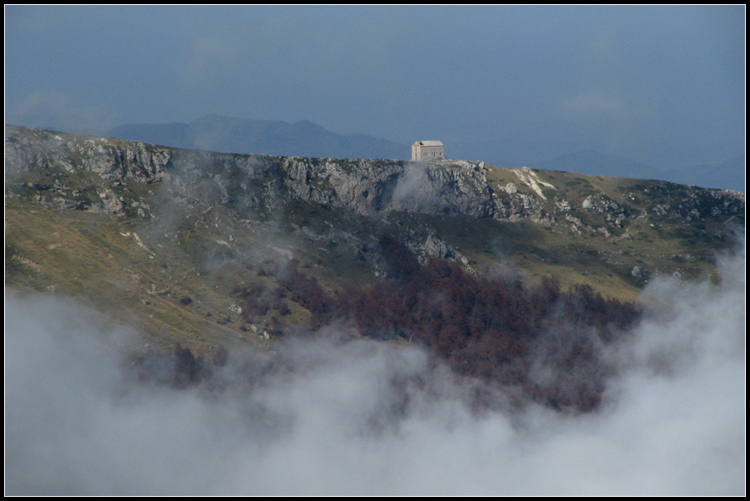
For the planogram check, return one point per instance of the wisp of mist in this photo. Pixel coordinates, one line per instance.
(343, 422)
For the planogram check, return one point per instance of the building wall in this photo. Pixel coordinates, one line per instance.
(421, 152)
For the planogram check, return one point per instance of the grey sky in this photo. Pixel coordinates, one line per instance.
(622, 80)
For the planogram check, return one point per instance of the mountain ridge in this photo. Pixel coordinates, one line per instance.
(306, 138)
(269, 137)
(166, 234)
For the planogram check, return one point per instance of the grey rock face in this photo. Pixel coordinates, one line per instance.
(367, 186)
(364, 185)
(32, 148)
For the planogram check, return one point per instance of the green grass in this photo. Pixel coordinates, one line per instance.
(201, 249)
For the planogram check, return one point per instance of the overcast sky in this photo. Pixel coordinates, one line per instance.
(618, 79)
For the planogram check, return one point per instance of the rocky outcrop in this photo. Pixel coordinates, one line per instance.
(367, 186)
(27, 149)
(364, 185)
(371, 186)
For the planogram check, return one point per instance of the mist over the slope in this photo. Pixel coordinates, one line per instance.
(361, 417)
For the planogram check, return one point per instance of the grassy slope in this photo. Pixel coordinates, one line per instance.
(200, 251)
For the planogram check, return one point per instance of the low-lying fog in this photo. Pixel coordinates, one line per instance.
(344, 422)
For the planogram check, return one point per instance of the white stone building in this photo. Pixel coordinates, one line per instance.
(427, 150)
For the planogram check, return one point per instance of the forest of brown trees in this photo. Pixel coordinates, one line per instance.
(544, 343)
(493, 329)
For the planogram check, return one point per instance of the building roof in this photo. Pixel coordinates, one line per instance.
(430, 143)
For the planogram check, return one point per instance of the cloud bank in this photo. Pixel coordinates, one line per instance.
(360, 417)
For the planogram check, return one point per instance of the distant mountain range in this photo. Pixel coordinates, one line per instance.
(307, 139)
(266, 137)
(729, 174)
(598, 164)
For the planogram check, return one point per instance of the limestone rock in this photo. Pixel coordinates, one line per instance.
(366, 186)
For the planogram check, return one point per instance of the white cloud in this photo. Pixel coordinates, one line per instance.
(366, 418)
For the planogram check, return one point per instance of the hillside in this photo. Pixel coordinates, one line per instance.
(162, 236)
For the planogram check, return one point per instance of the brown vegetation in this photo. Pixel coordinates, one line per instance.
(545, 344)
(496, 330)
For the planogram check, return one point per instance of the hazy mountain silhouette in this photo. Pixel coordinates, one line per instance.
(307, 139)
(268, 137)
(598, 164)
(728, 175)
